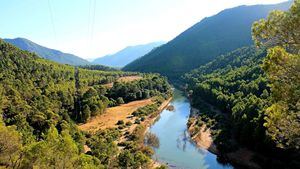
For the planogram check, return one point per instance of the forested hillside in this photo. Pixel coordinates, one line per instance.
(213, 36)
(47, 53)
(257, 89)
(235, 83)
(41, 102)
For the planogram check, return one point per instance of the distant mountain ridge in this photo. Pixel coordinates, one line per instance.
(212, 36)
(127, 55)
(47, 53)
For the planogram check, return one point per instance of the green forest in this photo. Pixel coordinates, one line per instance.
(258, 90)
(42, 102)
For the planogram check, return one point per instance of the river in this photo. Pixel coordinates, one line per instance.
(176, 150)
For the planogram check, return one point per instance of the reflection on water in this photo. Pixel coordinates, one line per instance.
(176, 149)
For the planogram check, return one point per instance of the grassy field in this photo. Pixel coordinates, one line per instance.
(112, 115)
(123, 79)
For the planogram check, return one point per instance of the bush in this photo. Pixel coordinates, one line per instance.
(120, 100)
(129, 123)
(137, 121)
(152, 140)
(120, 122)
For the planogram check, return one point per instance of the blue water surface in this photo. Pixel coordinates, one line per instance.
(176, 149)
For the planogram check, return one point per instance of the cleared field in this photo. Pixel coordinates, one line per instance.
(110, 118)
(129, 78)
(123, 79)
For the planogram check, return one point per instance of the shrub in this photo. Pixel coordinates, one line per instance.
(120, 122)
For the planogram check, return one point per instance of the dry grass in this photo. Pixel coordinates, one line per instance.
(123, 79)
(112, 115)
(129, 78)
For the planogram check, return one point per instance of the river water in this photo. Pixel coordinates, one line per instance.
(176, 150)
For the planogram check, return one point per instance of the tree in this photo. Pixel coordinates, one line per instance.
(279, 29)
(86, 113)
(10, 146)
(126, 159)
(280, 32)
(120, 100)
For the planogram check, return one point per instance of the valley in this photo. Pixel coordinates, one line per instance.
(223, 94)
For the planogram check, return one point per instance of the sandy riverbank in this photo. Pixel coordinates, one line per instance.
(203, 139)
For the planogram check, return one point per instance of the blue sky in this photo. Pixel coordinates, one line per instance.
(93, 28)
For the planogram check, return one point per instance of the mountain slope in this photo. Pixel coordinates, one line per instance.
(126, 55)
(47, 53)
(215, 35)
(41, 101)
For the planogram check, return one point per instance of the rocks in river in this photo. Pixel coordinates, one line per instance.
(170, 108)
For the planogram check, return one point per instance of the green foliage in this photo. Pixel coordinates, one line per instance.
(281, 28)
(36, 93)
(135, 160)
(236, 84)
(146, 110)
(258, 90)
(98, 67)
(150, 85)
(102, 145)
(10, 146)
(280, 33)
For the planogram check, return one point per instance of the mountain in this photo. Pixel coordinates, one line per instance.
(126, 55)
(228, 30)
(47, 53)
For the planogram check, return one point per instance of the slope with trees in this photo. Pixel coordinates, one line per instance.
(200, 44)
(40, 103)
(258, 92)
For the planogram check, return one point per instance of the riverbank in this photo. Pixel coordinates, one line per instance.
(123, 113)
(203, 138)
(150, 120)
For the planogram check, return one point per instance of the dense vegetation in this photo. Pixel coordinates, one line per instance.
(98, 67)
(149, 86)
(50, 54)
(41, 102)
(257, 90)
(236, 84)
(204, 41)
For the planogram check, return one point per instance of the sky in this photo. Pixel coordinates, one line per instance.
(94, 28)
